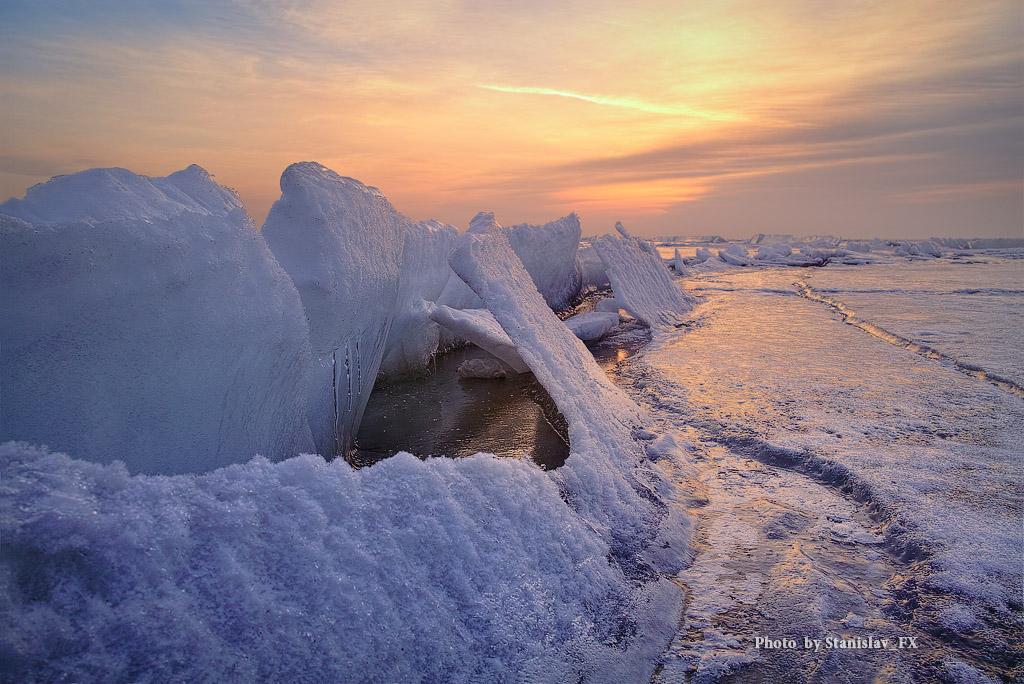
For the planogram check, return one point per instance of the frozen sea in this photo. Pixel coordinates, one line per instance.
(860, 432)
(855, 438)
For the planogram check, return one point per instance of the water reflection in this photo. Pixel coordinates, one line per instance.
(444, 415)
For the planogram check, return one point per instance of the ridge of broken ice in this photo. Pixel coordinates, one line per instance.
(607, 476)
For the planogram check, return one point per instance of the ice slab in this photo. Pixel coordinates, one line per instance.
(607, 477)
(479, 327)
(679, 265)
(145, 320)
(413, 339)
(549, 255)
(341, 242)
(592, 326)
(642, 282)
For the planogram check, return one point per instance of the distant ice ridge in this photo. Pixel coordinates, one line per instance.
(341, 242)
(641, 281)
(144, 319)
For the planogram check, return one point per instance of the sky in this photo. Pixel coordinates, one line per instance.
(858, 118)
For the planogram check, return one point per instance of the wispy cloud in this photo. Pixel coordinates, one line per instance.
(625, 102)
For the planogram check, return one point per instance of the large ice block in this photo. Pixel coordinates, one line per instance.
(145, 320)
(341, 242)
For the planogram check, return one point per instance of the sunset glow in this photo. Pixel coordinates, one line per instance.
(730, 118)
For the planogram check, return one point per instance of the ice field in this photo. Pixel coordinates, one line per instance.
(803, 439)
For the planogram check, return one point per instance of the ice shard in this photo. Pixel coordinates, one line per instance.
(679, 265)
(592, 326)
(145, 320)
(642, 282)
(341, 242)
(479, 327)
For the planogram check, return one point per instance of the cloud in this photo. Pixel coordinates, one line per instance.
(626, 102)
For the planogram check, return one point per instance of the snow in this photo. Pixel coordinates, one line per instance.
(439, 571)
(341, 242)
(592, 326)
(642, 282)
(145, 320)
(479, 327)
(413, 339)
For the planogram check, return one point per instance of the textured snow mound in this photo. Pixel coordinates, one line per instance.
(413, 339)
(465, 570)
(145, 320)
(341, 243)
(642, 282)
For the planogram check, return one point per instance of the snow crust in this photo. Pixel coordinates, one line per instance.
(642, 282)
(407, 571)
(145, 320)
(341, 242)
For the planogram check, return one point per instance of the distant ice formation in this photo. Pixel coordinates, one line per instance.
(679, 265)
(145, 320)
(341, 242)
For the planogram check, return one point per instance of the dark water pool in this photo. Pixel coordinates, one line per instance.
(442, 414)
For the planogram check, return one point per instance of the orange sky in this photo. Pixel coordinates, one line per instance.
(855, 118)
